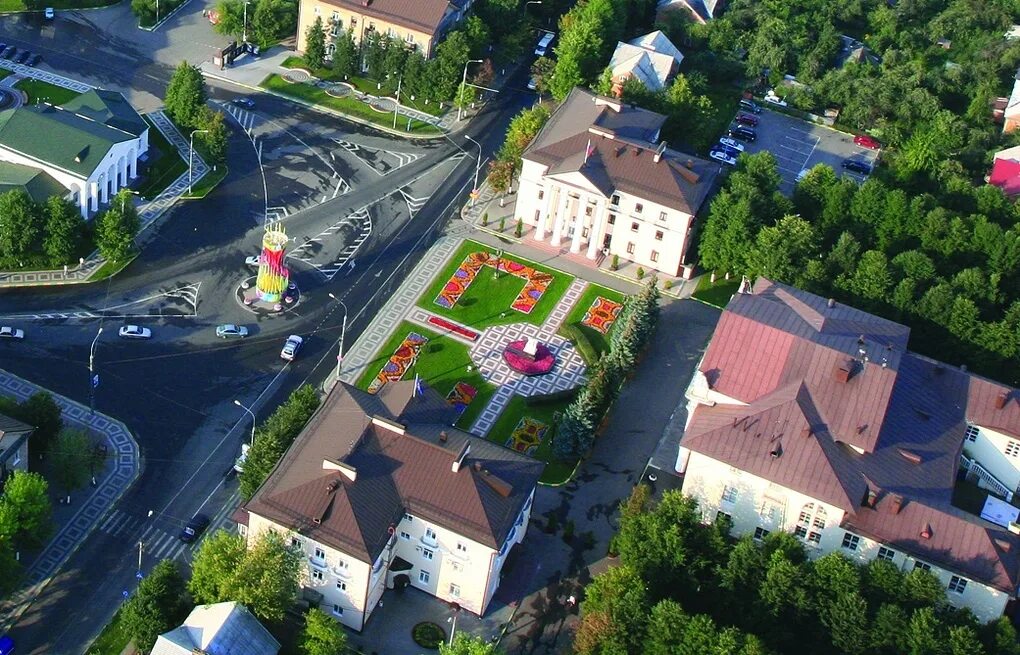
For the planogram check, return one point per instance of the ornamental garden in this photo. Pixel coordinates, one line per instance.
(508, 342)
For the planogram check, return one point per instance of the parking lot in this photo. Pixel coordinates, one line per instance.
(798, 145)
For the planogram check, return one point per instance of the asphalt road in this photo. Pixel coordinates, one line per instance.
(176, 391)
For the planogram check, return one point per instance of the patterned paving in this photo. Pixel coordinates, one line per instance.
(44, 76)
(421, 317)
(125, 469)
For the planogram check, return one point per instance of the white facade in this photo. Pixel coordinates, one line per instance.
(755, 504)
(566, 209)
(997, 453)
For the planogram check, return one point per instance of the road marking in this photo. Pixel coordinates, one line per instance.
(403, 158)
(414, 205)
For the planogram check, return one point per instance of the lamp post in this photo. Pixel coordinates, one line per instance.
(343, 331)
(191, 156)
(478, 165)
(92, 378)
(400, 80)
(244, 30)
(253, 419)
(453, 620)
(463, 81)
(157, 11)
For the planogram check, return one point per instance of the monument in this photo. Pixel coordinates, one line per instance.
(529, 357)
(273, 275)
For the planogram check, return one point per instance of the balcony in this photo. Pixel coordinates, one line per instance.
(429, 540)
(317, 562)
(341, 571)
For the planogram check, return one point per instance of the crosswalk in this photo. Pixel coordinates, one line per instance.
(360, 221)
(244, 118)
(156, 542)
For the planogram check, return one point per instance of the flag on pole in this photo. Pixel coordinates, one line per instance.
(417, 386)
(588, 151)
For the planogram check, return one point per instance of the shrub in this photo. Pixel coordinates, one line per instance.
(502, 224)
(580, 340)
(640, 273)
(568, 531)
(428, 635)
(485, 219)
(548, 398)
(667, 284)
(615, 264)
(519, 230)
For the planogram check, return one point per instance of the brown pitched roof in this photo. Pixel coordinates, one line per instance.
(395, 471)
(422, 15)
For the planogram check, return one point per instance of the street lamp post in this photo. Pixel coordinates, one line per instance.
(453, 620)
(343, 331)
(463, 81)
(253, 419)
(244, 30)
(92, 379)
(191, 156)
(478, 165)
(400, 80)
(157, 11)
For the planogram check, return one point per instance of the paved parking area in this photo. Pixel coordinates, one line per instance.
(798, 145)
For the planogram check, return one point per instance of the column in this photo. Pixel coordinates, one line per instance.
(575, 241)
(544, 215)
(133, 166)
(94, 195)
(561, 217)
(598, 223)
(83, 201)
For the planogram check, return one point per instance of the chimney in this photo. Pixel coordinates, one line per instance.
(832, 303)
(845, 371)
(637, 151)
(872, 498)
(909, 455)
(777, 452)
(897, 504)
(478, 467)
(464, 450)
(1001, 400)
(926, 533)
(443, 437)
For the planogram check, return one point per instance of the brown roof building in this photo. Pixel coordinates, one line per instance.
(385, 481)
(813, 417)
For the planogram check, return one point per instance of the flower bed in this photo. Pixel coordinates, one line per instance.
(602, 314)
(461, 395)
(399, 362)
(536, 281)
(543, 361)
(453, 327)
(527, 436)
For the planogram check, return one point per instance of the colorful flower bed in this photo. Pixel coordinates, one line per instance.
(453, 327)
(602, 314)
(461, 395)
(527, 435)
(540, 364)
(536, 281)
(399, 362)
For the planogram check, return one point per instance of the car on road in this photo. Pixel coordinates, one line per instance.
(252, 260)
(8, 332)
(857, 166)
(9, 52)
(134, 332)
(723, 156)
(34, 60)
(229, 330)
(744, 134)
(239, 462)
(23, 57)
(291, 347)
(747, 119)
(194, 528)
(751, 106)
(49, 13)
(731, 143)
(247, 103)
(866, 141)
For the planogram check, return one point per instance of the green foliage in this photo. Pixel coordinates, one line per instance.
(70, 469)
(65, 229)
(447, 66)
(218, 556)
(20, 224)
(428, 635)
(345, 55)
(613, 613)
(315, 44)
(322, 634)
(117, 227)
(271, 21)
(214, 140)
(465, 644)
(43, 413)
(519, 229)
(158, 605)
(185, 95)
(26, 509)
(229, 18)
(581, 342)
(274, 437)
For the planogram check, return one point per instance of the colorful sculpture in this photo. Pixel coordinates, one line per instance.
(273, 275)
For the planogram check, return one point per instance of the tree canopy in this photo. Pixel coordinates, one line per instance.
(158, 605)
(273, 437)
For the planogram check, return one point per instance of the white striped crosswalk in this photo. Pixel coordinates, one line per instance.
(156, 542)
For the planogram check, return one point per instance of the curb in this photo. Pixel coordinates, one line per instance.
(165, 18)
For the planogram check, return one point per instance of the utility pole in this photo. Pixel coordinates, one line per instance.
(93, 378)
(463, 82)
(343, 331)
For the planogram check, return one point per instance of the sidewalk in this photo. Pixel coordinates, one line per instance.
(73, 522)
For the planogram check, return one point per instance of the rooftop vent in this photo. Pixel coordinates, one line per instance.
(926, 533)
(464, 450)
(478, 467)
(909, 455)
(871, 499)
(443, 437)
(845, 371)
(777, 452)
(831, 303)
(896, 504)
(1001, 400)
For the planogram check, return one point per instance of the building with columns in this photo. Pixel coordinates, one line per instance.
(811, 417)
(90, 146)
(379, 492)
(597, 180)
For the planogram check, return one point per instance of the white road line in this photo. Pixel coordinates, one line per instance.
(145, 534)
(164, 542)
(115, 514)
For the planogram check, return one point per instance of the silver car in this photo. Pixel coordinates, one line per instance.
(229, 330)
(7, 332)
(291, 348)
(135, 332)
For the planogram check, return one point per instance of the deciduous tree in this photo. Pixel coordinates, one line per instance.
(64, 230)
(266, 580)
(117, 227)
(323, 635)
(216, 561)
(158, 605)
(185, 95)
(19, 225)
(26, 497)
(70, 468)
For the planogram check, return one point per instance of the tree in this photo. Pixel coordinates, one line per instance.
(619, 595)
(19, 224)
(64, 230)
(218, 557)
(215, 140)
(465, 644)
(69, 467)
(781, 251)
(847, 620)
(345, 55)
(323, 635)
(451, 56)
(266, 580)
(872, 279)
(229, 17)
(41, 412)
(158, 605)
(185, 95)
(27, 501)
(271, 21)
(274, 437)
(575, 430)
(315, 44)
(117, 228)
(415, 71)
(541, 72)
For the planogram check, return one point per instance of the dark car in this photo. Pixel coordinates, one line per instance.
(34, 60)
(9, 52)
(247, 103)
(193, 530)
(750, 106)
(747, 119)
(744, 134)
(857, 166)
(23, 57)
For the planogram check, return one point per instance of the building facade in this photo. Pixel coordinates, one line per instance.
(13, 446)
(382, 495)
(596, 180)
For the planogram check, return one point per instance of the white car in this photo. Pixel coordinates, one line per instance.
(732, 143)
(49, 13)
(720, 155)
(291, 348)
(135, 332)
(239, 462)
(7, 332)
(803, 173)
(252, 260)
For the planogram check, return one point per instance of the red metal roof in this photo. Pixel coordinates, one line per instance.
(1006, 175)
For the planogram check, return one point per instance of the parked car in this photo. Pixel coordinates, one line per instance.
(7, 332)
(542, 47)
(803, 173)
(744, 134)
(49, 13)
(291, 347)
(866, 141)
(194, 528)
(9, 52)
(34, 60)
(723, 156)
(252, 260)
(135, 332)
(747, 119)
(857, 166)
(239, 462)
(532, 84)
(731, 143)
(23, 57)
(247, 103)
(750, 106)
(229, 330)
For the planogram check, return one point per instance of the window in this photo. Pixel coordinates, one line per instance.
(630, 248)
(430, 533)
(455, 590)
(886, 553)
(320, 553)
(541, 194)
(760, 533)
(427, 553)
(457, 566)
(729, 494)
(723, 516)
(658, 235)
(1013, 448)
(923, 566)
(17, 458)
(295, 542)
(337, 610)
(957, 584)
(800, 531)
(423, 577)
(638, 207)
(589, 210)
(615, 200)
(316, 575)
(654, 256)
(404, 535)
(662, 216)
(461, 547)
(408, 517)
(410, 37)
(814, 537)
(811, 516)
(634, 227)
(850, 541)
(341, 585)
(972, 433)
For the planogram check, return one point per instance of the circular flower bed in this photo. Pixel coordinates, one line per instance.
(515, 358)
(428, 635)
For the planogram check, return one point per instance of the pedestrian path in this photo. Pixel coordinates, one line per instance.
(158, 543)
(45, 76)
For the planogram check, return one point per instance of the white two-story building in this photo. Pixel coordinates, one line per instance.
(597, 180)
(379, 492)
(812, 417)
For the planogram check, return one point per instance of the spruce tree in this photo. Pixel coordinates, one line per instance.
(315, 45)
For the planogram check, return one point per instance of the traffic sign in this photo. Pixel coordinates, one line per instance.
(95, 380)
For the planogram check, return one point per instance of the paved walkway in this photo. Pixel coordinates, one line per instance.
(45, 76)
(123, 470)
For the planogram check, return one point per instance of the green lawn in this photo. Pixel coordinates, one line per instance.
(202, 188)
(316, 96)
(19, 5)
(112, 640)
(3, 71)
(717, 294)
(487, 301)
(109, 269)
(598, 340)
(165, 167)
(45, 92)
(555, 472)
(442, 363)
